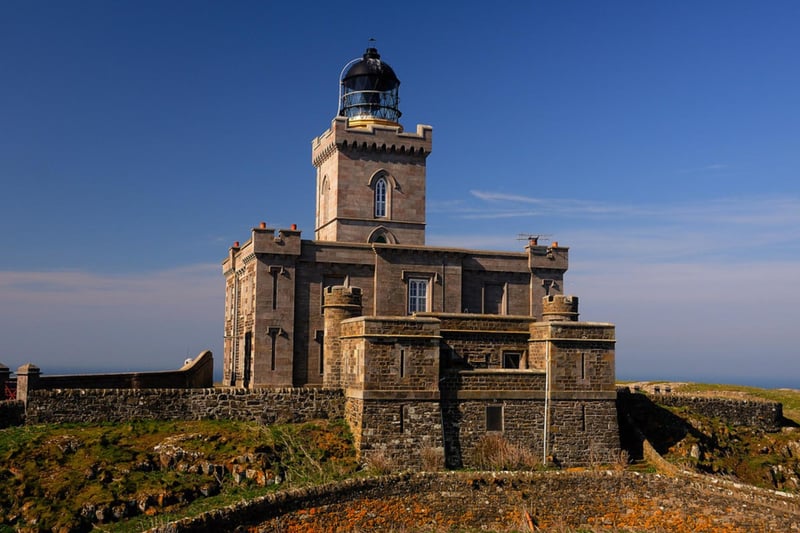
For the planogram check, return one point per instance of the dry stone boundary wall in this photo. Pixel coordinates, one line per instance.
(498, 501)
(268, 406)
(738, 412)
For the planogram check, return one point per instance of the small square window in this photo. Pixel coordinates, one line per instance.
(494, 418)
(511, 359)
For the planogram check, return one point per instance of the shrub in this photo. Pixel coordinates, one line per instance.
(494, 452)
(432, 459)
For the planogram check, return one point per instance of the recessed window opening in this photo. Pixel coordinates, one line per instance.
(274, 289)
(494, 418)
(248, 355)
(583, 417)
(417, 295)
(511, 359)
(583, 366)
(380, 198)
(274, 337)
(402, 363)
(319, 336)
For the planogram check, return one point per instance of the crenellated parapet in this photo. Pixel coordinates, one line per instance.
(373, 138)
(560, 307)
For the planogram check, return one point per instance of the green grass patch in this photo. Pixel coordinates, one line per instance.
(71, 476)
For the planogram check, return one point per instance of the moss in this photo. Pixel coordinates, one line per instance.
(59, 475)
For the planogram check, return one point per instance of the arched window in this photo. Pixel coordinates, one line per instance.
(382, 235)
(323, 200)
(380, 197)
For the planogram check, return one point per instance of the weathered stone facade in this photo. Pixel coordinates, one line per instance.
(432, 347)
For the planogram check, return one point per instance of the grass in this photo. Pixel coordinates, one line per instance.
(60, 476)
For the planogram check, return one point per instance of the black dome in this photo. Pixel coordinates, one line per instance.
(379, 74)
(369, 90)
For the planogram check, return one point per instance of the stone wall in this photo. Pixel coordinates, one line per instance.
(761, 414)
(483, 382)
(118, 405)
(400, 432)
(738, 412)
(551, 501)
(479, 341)
(12, 413)
(580, 432)
(397, 354)
(581, 354)
(584, 432)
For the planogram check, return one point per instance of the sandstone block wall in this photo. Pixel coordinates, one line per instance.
(480, 341)
(391, 354)
(581, 354)
(482, 383)
(348, 158)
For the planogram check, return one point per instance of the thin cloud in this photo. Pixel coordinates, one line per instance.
(706, 168)
(503, 197)
(750, 210)
(87, 288)
(90, 321)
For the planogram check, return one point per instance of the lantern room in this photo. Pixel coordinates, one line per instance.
(369, 91)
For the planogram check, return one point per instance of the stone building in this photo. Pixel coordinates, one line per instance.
(434, 347)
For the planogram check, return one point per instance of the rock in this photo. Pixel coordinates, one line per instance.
(695, 452)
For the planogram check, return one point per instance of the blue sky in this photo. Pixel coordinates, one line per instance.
(660, 141)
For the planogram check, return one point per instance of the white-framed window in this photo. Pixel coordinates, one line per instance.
(380, 198)
(417, 295)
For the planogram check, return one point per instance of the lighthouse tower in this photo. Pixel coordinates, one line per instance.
(370, 173)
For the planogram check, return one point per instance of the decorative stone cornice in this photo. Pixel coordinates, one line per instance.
(324, 154)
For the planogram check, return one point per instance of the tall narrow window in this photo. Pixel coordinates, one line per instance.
(274, 288)
(272, 352)
(417, 295)
(583, 417)
(402, 363)
(319, 336)
(248, 353)
(380, 197)
(273, 332)
(583, 366)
